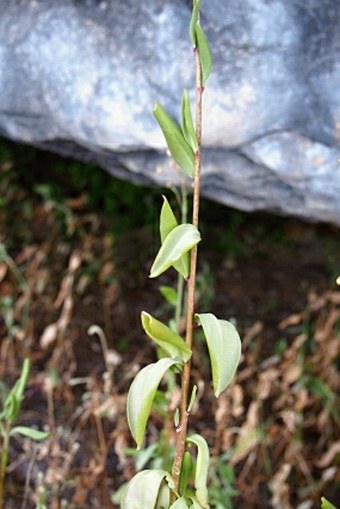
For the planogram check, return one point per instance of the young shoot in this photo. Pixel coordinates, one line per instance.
(186, 486)
(10, 411)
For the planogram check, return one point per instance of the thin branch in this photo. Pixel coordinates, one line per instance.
(184, 417)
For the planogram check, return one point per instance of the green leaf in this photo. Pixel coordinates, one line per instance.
(202, 467)
(117, 496)
(16, 394)
(143, 490)
(11, 408)
(192, 398)
(169, 294)
(163, 500)
(177, 145)
(179, 241)
(193, 22)
(325, 504)
(34, 434)
(179, 504)
(166, 338)
(176, 418)
(188, 128)
(141, 396)
(186, 471)
(199, 41)
(143, 456)
(167, 223)
(224, 347)
(204, 53)
(20, 385)
(167, 220)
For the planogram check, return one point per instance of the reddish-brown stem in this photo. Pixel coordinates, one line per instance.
(186, 375)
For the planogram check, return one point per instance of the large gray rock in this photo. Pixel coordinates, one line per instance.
(81, 77)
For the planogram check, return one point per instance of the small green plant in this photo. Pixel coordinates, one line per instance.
(11, 409)
(186, 485)
(42, 499)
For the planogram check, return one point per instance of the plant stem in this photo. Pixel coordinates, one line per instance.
(4, 461)
(186, 375)
(178, 311)
(180, 281)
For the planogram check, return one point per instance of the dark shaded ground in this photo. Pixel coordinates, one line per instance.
(76, 250)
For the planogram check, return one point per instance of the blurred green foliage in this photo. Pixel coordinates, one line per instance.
(59, 179)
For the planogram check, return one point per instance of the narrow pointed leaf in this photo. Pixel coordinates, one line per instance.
(167, 220)
(15, 396)
(193, 22)
(325, 504)
(177, 145)
(141, 396)
(186, 471)
(202, 467)
(188, 128)
(179, 504)
(192, 398)
(166, 338)
(20, 385)
(176, 418)
(34, 434)
(143, 490)
(204, 53)
(167, 223)
(179, 241)
(224, 347)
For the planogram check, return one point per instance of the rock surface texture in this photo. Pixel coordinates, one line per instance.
(80, 77)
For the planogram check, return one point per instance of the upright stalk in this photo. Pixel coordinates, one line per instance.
(183, 201)
(4, 461)
(179, 304)
(186, 375)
